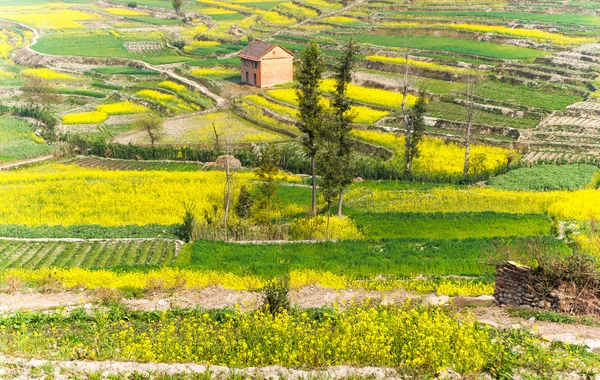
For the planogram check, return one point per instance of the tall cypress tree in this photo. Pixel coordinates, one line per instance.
(311, 110)
(342, 122)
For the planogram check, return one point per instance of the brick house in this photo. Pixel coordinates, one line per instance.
(266, 65)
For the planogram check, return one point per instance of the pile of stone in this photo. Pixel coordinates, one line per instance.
(519, 285)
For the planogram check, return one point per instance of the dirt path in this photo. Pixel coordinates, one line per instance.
(578, 334)
(25, 368)
(217, 297)
(16, 164)
(220, 101)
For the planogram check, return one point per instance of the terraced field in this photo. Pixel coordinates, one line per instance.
(32, 254)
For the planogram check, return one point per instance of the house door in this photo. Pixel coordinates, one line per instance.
(255, 79)
(247, 77)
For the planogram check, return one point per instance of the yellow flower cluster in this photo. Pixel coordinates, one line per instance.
(47, 74)
(539, 35)
(48, 16)
(213, 72)
(450, 287)
(474, 200)
(170, 85)
(122, 108)
(266, 103)
(376, 96)
(421, 341)
(297, 10)
(165, 278)
(94, 117)
(174, 278)
(340, 20)
(216, 11)
(270, 17)
(274, 18)
(170, 101)
(316, 228)
(103, 112)
(416, 63)
(362, 114)
(437, 156)
(124, 12)
(156, 95)
(323, 4)
(68, 195)
(200, 44)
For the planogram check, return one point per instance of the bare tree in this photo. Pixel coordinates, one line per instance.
(217, 145)
(40, 91)
(177, 5)
(152, 125)
(471, 83)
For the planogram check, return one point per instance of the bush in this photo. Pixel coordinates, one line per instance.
(316, 228)
(179, 44)
(276, 295)
(132, 4)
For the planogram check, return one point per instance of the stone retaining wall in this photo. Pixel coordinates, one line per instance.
(518, 285)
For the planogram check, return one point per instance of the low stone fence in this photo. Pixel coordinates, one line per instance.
(519, 285)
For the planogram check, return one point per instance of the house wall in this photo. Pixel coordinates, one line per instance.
(277, 67)
(248, 67)
(276, 71)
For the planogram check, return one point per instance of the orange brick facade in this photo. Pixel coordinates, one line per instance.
(276, 67)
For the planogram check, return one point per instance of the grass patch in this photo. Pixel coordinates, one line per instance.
(540, 97)
(546, 177)
(454, 45)
(457, 112)
(99, 46)
(449, 225)
(18, 140)
(357, 259)
(81, 92)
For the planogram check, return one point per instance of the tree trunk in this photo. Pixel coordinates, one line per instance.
(328, 220)
(313, 163)
(341, 204)
(227, 198)
(467, 146)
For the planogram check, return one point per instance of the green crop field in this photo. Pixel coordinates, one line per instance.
(455, 112)
(360, 259)
(100, 46)
(160, 206)
(546, 177)
(32, 255)
(18, 141)
(454, 45)
(575, 19)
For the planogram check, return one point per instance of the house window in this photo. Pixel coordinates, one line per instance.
(255, 79)
(254, 64)
(247, 77)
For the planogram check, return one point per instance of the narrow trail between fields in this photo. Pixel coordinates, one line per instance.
(21, 368)
(16, 164)
(220, 101)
